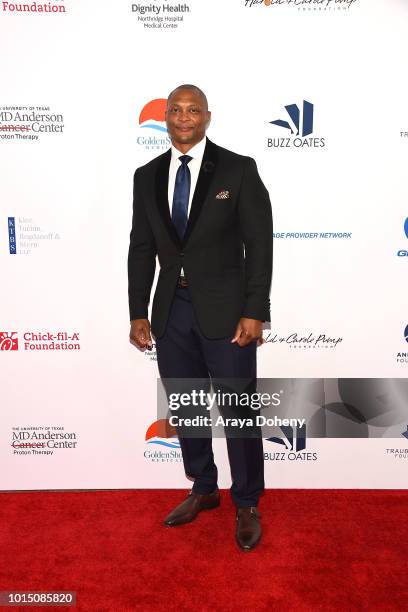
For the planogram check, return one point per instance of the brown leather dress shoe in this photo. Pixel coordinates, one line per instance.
(249, 528)
(191, 506)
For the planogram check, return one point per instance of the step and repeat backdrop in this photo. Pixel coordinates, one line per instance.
(316, 92)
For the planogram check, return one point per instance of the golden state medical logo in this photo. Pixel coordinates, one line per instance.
(152, 115)
(152, 123)
(161, 434)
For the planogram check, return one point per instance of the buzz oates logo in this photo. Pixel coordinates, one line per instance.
(296, 129)
(404, 252)
(29, 123)
(152, 123)
(399, 453)
(303, 5)
(299, 341)
(292, 445)
(402, 357)
(56, 6)
(39, 341)
(163, 436)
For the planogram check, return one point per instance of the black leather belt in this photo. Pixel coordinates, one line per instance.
(182, 282)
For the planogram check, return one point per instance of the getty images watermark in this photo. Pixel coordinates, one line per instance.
(223, 407)
(231, 400)
(325, 407)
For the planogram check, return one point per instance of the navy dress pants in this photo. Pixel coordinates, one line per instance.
(184, 352)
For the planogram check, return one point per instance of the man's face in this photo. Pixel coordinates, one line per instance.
(186, 117)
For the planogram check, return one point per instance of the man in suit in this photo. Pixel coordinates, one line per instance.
(204, 211)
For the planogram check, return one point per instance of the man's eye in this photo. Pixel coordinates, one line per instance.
(194, 110)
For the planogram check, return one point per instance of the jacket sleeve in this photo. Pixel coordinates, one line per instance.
(255, 216)
(141, 258)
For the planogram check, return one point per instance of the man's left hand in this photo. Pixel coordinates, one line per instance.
(247, 330)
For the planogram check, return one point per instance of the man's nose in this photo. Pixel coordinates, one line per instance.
(184, 116)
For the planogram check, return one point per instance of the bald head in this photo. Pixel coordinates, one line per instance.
(193, 88)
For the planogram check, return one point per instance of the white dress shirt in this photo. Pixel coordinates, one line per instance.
(194, 164)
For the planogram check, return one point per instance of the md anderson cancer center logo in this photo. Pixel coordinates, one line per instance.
(29, 123)
(38, 440)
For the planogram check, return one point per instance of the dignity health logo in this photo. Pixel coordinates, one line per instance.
(300, 125)
(152, 118)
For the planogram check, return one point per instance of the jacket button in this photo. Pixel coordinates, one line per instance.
(181, 254)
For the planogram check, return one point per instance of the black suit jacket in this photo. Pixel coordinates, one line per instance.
(226, 252)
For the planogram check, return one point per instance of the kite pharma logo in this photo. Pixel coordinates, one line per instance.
(303, 5)
(300, 125)
(152, 121)
(40, 341)
(161, 433)
(54, 6)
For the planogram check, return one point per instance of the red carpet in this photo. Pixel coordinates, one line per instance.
(325, 550)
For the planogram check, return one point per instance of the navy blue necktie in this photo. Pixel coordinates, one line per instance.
(181, 196)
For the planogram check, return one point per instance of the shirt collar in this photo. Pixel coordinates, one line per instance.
(195, 152)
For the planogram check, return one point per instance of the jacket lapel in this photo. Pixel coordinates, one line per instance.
(205, 175)
(207, 169)
(162, 182)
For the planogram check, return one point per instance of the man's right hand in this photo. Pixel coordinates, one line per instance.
(140, 333)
